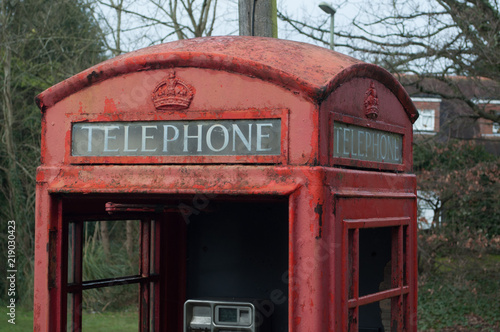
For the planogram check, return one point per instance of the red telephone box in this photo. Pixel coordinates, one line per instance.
(248, 182)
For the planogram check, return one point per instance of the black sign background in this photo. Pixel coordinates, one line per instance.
(177, 138)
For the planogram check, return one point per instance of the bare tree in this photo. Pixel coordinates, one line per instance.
(429, 39)
(151, 22)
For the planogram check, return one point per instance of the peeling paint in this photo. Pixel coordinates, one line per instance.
(319, 211)
(93, 76)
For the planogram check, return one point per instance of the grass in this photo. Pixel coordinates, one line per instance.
(460, 289)
(111, 321)
(96, 322)
(24, 321)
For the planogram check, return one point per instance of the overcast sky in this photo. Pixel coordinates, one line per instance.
(299, 9)
(309, 10)
(227, 19)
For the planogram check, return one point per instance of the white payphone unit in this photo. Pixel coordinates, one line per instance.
(221, 316)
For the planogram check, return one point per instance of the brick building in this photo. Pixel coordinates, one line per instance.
(445, 113)
(442, 117)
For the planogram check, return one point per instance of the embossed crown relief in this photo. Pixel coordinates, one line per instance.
(371, 102)
(172, 93)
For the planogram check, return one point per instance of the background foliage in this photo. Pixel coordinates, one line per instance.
(42, 42)
(459, 251)
(100, 262)
(465, 180)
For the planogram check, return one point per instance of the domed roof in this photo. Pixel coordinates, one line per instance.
(312, 70)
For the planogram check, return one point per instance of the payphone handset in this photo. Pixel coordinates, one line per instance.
(221, 316)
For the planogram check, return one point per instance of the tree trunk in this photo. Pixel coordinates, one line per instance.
(105, 239)
(8, 125)
(129, 244)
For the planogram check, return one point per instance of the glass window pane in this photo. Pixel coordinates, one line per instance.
(110, 249)
(69, 313)
(425, 121)
(495, 128)
(152, 248)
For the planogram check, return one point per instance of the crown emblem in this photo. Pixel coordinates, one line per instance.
(172, 94)
(371, 102)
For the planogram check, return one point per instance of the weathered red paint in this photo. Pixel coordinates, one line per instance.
(308, 88)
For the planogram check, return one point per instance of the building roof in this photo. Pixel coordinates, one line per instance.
(474, 88)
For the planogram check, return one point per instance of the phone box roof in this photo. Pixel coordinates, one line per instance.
(309, 70)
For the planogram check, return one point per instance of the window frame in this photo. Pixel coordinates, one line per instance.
(428, 114)
(495, 128)
(400, 270)
(148, 279)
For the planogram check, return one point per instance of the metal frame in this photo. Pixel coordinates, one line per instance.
(304, 187)
(148, 280)
(278, 113)
(400, 275)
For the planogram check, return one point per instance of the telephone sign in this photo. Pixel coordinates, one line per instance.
(355, 142)
(178, 138)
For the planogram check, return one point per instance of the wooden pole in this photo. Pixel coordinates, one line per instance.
(258, 18)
